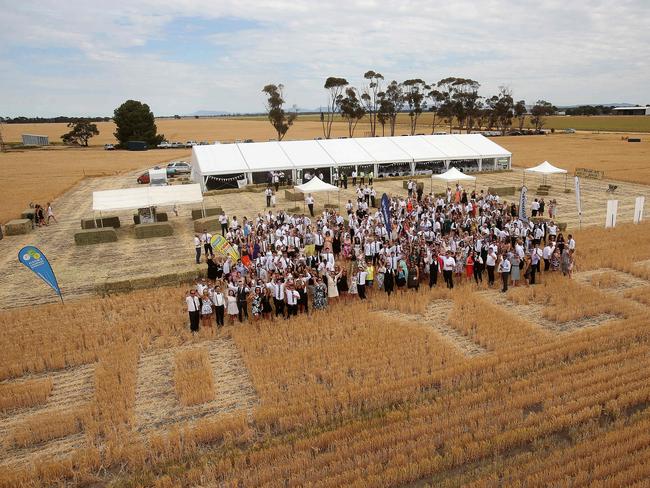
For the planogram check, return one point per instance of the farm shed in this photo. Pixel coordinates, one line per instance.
(384, 156)
(34, 140)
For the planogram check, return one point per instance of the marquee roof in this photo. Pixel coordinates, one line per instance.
(545, 168)
(221, 159)
(316, 185)
(146, 196)
(453, 174)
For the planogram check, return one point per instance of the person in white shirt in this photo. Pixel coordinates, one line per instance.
(268, 193)
(504, 269)
(571, 243)
(223, 220)
(197, 247)
(206, 239)
(219, 302)
(50, 214)
(291, 297)
(448, 265)
(490, 263)
(547, 252)
(310, 203)
(361, 283)
(193, 309)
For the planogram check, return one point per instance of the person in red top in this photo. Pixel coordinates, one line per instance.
(469, 266)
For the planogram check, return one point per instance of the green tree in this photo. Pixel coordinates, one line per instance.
(135, 122)
(447, 105)
(540, 110)
(82, 131)
(280, 120)
(520, 113)
(335, 87)
(467, 106)
(370, 98)
(351, 109)
(415, 92)
(436, 99)
(391, 102)
(502, 108)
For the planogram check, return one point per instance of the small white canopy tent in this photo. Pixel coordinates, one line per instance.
(316, 185)
(453, 174)
(146, 197)
(546, 169)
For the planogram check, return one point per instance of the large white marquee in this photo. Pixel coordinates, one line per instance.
(383, 155)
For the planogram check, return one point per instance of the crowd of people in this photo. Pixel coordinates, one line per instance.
(40, 215)
(291, 264)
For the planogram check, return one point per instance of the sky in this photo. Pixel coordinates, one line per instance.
(84, 58)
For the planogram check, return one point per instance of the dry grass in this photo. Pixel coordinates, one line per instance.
(355, 397)
(641, 295)
(24, 394)
(606, 279)
(193, 377)
(45, 427)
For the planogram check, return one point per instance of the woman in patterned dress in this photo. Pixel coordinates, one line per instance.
(320, 295)
(256, 305)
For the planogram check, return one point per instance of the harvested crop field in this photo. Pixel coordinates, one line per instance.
(420, 390)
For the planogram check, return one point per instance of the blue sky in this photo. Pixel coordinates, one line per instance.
(85, 58)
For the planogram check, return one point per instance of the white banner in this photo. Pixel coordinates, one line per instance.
(523, 200)
(242, 183)
(612, 209)
(578, 199)
(638, 209)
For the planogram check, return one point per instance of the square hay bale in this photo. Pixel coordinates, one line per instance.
(197, 213)
(109, 221)
(331, 206)
(293, 196)
(157, 229)
(28, 214)
(87, 237)
(123, 286)
(562, 226)
(18, 226)
(161, 217)
(502, 190)
(210, 223)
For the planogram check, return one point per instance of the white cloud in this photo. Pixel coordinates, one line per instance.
(560, 51)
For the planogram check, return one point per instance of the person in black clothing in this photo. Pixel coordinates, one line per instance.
(242, 304)
(434, 267)
(193, 309)
(389, 281)
(345, 181)
(213, 268)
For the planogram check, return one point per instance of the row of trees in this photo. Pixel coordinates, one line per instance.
(46, 120)
(450, 100)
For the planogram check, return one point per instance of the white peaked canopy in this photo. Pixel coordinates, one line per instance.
(546, 168)
(453, 174)
(315, 185)
(147, 196)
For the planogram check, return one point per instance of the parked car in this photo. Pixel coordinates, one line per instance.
(143, 179)
(109, 147)
(164, 145)
(569, 131)
(178, 168)
(190, 144)
(177, 145)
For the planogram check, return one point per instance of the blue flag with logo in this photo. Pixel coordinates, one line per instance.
(35, 260)
(385, 211)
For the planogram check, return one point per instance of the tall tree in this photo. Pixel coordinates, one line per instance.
(351, 109)
(520, 113)
(82, 131)
(502, 107)
(540, 110)
(383, 114)
(436, 99)
(465, 93)
(391, 103)
(136, 122)
(335, 87)
(370, 99)
(279, 118)
(447, 107)
(415, 92)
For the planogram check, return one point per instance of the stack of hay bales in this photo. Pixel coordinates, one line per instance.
(542, 190)
(109, 221)
(88, 237)
(502, 190)
(157, 229)
(197, 213)
(293, 196)
(211, 224)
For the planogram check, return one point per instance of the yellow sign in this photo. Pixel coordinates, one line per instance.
(594, 174)
(221, 246)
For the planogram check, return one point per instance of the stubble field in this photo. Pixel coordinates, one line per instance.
(40, 175)
(543, 386)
